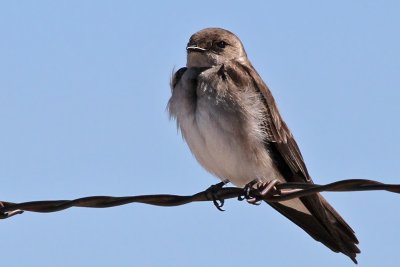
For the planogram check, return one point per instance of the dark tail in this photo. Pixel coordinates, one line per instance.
(323, 223)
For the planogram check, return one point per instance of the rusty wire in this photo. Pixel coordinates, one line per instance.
(285, 191)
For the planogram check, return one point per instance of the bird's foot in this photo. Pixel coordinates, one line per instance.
(265, 189)
(212, 193)
(247, 191)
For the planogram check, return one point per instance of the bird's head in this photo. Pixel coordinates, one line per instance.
(213, 46)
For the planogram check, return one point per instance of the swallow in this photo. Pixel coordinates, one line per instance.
(230, 121)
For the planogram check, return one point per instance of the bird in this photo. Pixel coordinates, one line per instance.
(230, 121)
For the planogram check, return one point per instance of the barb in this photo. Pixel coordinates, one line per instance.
(286, 191)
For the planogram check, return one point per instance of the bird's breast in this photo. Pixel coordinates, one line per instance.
(218, 130)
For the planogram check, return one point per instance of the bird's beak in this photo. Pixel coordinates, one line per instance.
(195, 48)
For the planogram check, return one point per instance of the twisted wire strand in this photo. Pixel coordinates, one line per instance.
(285, 191)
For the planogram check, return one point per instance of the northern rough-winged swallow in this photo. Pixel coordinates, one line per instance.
(229, 119)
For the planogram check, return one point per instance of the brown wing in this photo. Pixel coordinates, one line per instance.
(278, 132)
(323, 223)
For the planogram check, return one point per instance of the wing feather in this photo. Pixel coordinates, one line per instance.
(279, 133)
(324, 223)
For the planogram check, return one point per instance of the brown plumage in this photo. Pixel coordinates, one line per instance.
(232, 125)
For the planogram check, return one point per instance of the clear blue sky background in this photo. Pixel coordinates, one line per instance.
(83, 91)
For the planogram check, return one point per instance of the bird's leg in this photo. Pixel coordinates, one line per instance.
(212, 191)
(265, 189)
(247, 188)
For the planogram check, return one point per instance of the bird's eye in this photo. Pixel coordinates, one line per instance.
(221, 44)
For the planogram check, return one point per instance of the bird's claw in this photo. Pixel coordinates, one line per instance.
(247, 195)
(265, 189)
(212, 192)
(218, 203)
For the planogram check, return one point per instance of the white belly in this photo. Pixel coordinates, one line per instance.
(219, 143)
(226, 144)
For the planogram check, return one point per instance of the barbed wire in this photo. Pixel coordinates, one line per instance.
(216, 193)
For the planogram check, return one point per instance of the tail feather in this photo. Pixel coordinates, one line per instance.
(329, 229)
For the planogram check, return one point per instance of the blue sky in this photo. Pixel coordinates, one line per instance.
(83, 91)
